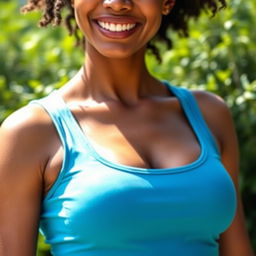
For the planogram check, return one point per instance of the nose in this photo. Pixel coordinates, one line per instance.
(118, 5)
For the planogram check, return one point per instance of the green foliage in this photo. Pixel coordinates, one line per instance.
(33, 61)
(43, 248)
(219, 56)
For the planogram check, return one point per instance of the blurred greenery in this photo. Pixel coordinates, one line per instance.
(219, 56)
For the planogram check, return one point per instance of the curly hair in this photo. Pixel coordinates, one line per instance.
(178, 19)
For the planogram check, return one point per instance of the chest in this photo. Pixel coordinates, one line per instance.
(150, 136)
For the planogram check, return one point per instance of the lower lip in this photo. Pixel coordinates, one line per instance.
(117, 35)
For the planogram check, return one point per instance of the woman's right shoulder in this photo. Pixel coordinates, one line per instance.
(28, 130)
(30, 120)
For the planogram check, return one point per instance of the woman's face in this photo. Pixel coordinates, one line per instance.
(119, 28)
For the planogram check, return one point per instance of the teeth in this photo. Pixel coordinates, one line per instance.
(116, 27)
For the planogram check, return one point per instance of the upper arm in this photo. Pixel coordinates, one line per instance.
(21, 164)
(234, 241)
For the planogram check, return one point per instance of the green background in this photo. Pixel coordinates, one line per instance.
(219, 56)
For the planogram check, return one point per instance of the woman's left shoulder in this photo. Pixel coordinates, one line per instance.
(209, 101)
(216, 114)
(212, 105)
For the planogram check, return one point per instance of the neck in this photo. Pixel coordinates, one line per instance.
(126, 80)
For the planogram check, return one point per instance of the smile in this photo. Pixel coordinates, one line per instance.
(116, 27)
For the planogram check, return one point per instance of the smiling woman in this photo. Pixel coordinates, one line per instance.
(116, 162)
(177, 19)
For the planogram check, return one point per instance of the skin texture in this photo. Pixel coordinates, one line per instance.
(143, 125)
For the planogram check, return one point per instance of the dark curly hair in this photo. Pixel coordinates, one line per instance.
(177, 19)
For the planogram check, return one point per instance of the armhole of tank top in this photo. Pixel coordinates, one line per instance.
(191, 106)
(43, 104)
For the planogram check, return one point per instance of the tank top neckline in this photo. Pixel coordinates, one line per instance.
(83, 138)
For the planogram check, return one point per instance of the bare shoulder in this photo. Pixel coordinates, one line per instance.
(217, 115)
(25, 118)
(26, 133)
(209, 101)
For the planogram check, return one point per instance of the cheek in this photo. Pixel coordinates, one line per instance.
(80, 19)
(152, 10)
(153, 22)
(153, 5)
(81, 8)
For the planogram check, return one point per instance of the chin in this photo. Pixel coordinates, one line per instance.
(120, 53)
(117, 56)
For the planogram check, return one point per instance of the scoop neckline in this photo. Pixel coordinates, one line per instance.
(133, 169)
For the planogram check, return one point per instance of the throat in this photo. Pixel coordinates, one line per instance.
(125, 80)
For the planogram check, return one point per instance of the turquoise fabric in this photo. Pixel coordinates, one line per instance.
(98, 208)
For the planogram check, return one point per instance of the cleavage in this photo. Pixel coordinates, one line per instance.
(152, 139)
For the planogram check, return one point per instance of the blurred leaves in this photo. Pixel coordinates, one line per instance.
(33, 60)
(219, 56)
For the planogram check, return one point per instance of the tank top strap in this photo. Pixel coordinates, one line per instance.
(195, 116)
(61, 117)
(68, 131)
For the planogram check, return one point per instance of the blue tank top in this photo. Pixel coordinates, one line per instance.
(100, 208)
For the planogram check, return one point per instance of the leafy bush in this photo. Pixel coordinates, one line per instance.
(219, 56)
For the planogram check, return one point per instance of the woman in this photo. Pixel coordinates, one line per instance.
(116, 162)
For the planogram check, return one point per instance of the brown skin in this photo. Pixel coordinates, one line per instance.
(133, 121)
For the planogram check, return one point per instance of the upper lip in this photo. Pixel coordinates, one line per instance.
(117, 19)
